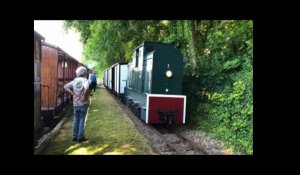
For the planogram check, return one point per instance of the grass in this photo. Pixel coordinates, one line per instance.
(108, 130)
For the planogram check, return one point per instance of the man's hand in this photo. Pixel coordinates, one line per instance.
(74, 95)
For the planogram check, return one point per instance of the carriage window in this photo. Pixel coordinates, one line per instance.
(37, 68)
(136, 58)
(37, 51)
(133, 58)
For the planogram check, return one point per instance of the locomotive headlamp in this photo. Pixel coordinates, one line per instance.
(169, 73)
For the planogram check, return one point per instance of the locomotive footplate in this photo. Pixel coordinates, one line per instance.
(168, 116)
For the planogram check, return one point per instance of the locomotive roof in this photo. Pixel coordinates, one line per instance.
(152, 42)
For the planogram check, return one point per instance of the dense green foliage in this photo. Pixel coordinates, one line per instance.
(218, 62)
(220, 87)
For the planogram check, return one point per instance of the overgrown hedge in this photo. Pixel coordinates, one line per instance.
(220, 88)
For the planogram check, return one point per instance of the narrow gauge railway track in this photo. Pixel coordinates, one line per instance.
(165, 141)
(180, 144)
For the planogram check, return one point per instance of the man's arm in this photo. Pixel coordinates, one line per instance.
(86, 92)
(67, 88)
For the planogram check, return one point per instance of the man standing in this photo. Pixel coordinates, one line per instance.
(94, 81)
(79, 88)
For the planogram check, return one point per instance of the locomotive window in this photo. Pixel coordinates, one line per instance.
(148, 75)
(130, 81)
(141, 57)
(149, 64)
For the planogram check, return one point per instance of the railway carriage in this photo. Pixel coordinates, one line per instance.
(57, 69)
(120, 78)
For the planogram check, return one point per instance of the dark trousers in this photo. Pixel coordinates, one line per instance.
(93, 86)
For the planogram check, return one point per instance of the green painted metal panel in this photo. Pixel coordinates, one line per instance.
(165, 57)
(168, 59)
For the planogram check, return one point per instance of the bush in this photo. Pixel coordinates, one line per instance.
(219, 89)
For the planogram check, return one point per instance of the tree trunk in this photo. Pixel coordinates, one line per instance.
(194, 43)
(203, 35)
